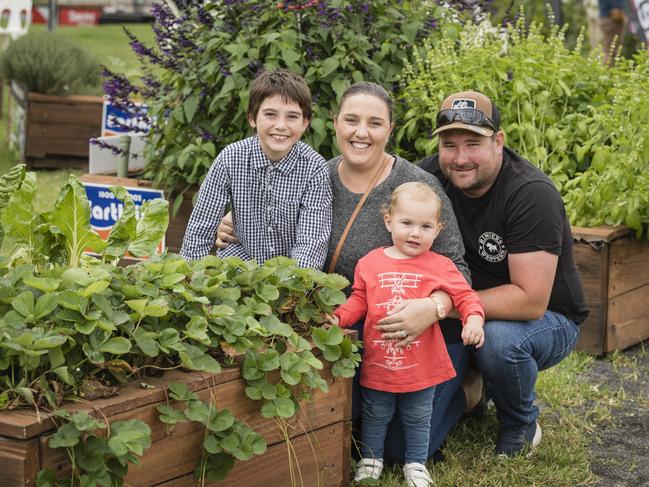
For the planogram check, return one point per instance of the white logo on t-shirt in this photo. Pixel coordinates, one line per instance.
(492, 248)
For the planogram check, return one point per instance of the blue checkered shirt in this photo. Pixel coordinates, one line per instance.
(278, 209)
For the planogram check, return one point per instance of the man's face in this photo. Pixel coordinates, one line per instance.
(471, 162)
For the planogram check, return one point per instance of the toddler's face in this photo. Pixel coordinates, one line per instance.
(414, 225)
(279, 125)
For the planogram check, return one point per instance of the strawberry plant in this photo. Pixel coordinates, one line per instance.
(77, 325)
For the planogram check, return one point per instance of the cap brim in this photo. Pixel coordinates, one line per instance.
(484, 131)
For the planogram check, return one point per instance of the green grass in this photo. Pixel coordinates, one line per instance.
(108, 43)
(110, 46)
(570, 410)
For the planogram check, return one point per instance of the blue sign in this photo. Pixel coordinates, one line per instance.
(120, 121)
(105, 208)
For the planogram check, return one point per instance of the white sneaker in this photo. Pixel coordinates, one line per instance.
(368, 468)
(417, 475)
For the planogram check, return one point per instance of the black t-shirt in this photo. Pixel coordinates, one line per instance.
(522, 212)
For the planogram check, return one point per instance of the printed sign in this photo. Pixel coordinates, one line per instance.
(105, 208)
(118, 121)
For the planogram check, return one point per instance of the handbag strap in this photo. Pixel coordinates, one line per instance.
(350, 222)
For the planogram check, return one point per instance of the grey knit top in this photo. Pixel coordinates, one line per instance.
(368, 231)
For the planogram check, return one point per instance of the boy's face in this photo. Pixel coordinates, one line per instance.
(279, 125)
(414, 225)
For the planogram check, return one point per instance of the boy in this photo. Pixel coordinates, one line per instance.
(278, 186)
(404, 379)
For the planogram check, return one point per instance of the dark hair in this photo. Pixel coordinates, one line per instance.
(290, 86)
(368, 88)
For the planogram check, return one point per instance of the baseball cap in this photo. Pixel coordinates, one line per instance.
(468, 110)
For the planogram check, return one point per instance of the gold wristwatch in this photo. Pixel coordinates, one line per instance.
(439, 307)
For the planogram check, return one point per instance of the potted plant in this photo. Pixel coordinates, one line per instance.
(52, 122)
(248, 374)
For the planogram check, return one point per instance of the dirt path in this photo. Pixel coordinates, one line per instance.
(620, 448)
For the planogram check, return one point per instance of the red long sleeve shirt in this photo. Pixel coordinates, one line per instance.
(380, 283)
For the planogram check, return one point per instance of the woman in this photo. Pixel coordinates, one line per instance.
(363, 126)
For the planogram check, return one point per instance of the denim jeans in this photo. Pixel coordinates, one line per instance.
(513, 354)
(415, 410)
(448, 406)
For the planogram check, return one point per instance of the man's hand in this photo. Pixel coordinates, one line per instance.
(225, 232)
(473, 331)
(409, 319)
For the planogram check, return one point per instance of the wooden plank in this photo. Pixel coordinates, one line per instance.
(57, 162)
(592, 265)
(176, 452)
(44, 146)
(112, 180)
(63, 131)
(624, 335)
(592, 332)
(65, 114)
(23, 424)
(19, 462)
(178, 223)
(320, 457)
(69, 100)
(604, 233)
(629, 267)
(629, 306)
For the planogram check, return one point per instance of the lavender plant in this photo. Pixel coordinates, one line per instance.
(198, 74)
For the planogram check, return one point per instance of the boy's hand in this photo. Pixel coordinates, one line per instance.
(332, 320)
(473, 331)
(225, 232)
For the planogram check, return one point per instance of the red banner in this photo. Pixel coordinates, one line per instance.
(68, 15)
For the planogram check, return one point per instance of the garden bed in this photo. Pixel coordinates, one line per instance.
(320, 435)
(56, 129)
(614, 270)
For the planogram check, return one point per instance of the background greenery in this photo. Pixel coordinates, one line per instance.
(568, 419)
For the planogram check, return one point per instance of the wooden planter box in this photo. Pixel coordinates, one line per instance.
(56, 129)
(323, 449)
(177, 223)
(614, 270)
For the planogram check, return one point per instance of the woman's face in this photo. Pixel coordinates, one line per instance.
(362, 130)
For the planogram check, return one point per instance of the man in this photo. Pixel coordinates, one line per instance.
(519, 249)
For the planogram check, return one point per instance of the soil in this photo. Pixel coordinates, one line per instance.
(620, 447)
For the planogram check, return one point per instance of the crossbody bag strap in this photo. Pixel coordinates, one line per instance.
(350, 222)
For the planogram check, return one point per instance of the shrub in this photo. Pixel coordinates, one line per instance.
(48, 63)
(581, 122)
(545, 92)
(613, 189)
(199, 73)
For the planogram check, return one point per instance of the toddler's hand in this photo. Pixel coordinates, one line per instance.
(473, 331)
(332, 320)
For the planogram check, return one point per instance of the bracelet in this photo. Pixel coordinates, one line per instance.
(439, 307)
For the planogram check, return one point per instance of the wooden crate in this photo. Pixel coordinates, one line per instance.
(58, 129)
(320, 436)
(614, 270)
(177, 223)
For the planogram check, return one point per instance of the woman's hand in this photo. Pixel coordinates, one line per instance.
(409, 319)
(225, 232)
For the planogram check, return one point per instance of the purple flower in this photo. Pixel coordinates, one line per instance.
(105, 145)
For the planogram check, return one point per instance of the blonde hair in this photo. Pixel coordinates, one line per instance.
(417, 191)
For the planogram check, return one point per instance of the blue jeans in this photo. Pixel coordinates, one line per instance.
(513, 354)
(448, 406)
(415, 410)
